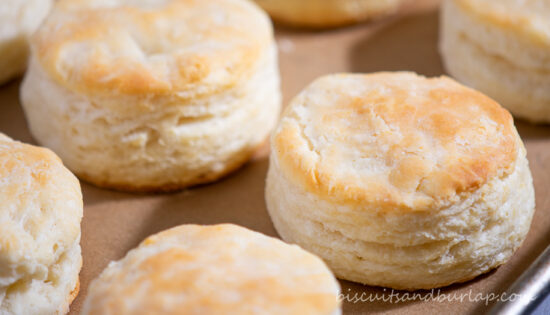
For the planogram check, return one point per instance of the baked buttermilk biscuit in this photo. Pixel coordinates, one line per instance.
(152, 95)
(502, 48)
(18, 20)
(327, 13)
(220, 269)
(40, 213)
(400, 181)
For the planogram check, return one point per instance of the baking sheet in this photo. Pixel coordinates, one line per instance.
(115, 222)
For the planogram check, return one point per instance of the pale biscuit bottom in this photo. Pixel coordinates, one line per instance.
(414, 250)
(174, 145)
(34, 295)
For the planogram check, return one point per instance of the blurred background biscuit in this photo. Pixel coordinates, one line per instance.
(327, 13)
(18, 20)
(502, 48)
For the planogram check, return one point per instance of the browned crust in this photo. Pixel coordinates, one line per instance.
(19, 153)
(454, 177)
(332, 22)
(131, 76)
(325, 24)
(74, 292)
(151, 271)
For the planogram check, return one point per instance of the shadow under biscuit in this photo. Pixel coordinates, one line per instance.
(116, 222)
(237, 199)
(530, 131)
(12, 117)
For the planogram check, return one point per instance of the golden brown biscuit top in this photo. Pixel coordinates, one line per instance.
(216, 269)
(15, 155)
(393, 140)
(529, 18)
(189, 47)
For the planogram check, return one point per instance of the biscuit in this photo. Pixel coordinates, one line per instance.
(18, 20)
(152, 95)
(40, 213)
(219, 269)
(327, 13)
(398, 180)
(502, 48)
